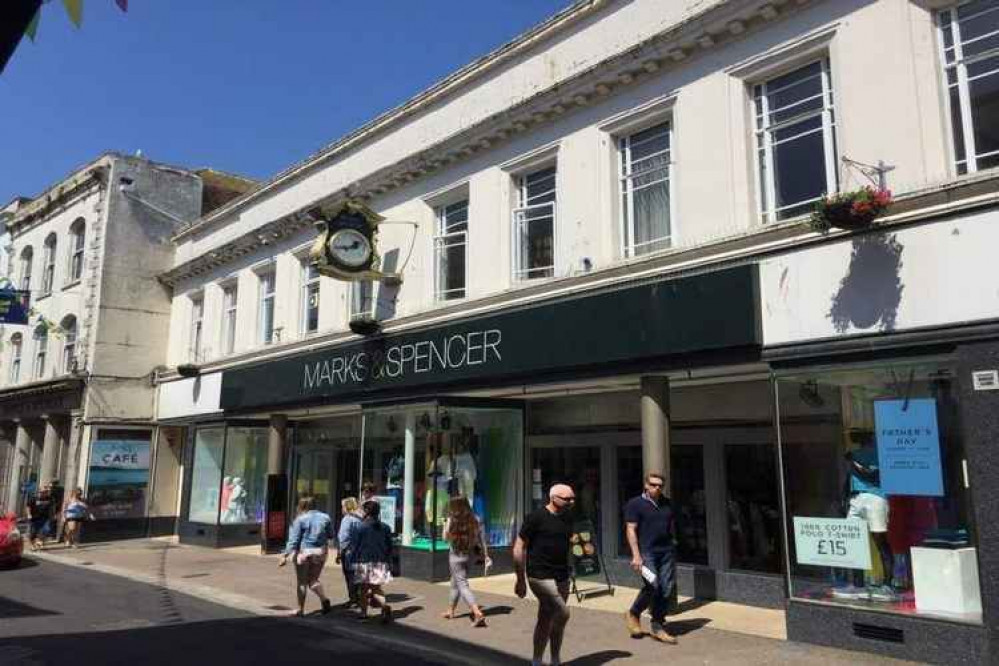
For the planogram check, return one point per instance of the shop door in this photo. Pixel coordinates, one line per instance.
(314, 477)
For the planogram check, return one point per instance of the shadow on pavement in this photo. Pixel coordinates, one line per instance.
(683, 627)
(599, 658)
(26, 563)
(11, 609)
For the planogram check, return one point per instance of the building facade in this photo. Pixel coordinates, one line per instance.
(607, 267)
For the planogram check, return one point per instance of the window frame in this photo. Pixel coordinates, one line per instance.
(355, 292)
(308, 282)
(69, 342)
(50, 247)
(625, 191)
(41, 338)
(77, 246)
(965, 119)
(16, 353)
(25, 260)
(196, 330)
(230, 313)
(766, 189)
(443, 230)
(520, 223)
(266, 303)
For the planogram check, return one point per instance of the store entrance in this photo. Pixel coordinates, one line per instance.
(327, 475)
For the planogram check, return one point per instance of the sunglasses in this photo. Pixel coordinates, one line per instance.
(565, 499)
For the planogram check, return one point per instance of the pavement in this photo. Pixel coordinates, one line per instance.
(253, 584)
(51, 614)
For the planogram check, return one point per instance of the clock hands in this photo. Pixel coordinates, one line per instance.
(352, 246)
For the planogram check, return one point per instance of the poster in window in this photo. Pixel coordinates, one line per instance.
(908, 447)
(119, 477)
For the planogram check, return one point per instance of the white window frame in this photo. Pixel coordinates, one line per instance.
(960, 66)
(266, 302)
(307, 284)
(26, 258)
(626, 201)
(230, 312)
(762, 133)
(196, 339)
(356, 297)
(41, 353)
(448, 235)
(69, 346)
(76, 248)
(49, 263)
(526, 213)
(16, 350)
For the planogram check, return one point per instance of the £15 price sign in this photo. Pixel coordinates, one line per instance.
(832, 542)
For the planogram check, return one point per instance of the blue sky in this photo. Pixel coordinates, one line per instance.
(247, 86)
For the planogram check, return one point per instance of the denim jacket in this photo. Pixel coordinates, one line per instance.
(312, 529)
(343, 536)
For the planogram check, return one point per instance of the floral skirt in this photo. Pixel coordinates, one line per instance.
(372, 573)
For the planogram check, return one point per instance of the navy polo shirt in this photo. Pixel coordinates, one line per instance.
(655, 523)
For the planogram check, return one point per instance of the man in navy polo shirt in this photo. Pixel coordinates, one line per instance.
(650, 527)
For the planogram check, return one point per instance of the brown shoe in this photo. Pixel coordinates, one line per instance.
(634, 625)
(663, 637)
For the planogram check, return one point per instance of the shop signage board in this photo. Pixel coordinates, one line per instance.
(909, 447)
(614, 330)
(386, 504)
(119, 476)
(832, 542)
(586, 561)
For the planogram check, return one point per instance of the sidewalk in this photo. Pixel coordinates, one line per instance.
(595, 635)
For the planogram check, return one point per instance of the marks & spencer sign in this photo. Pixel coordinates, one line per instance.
(624, 329)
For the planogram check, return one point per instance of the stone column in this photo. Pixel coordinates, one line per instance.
(655, 427)
(409, 480)
(276, 443)
(51, 448)
(8, 432)
(74, 452)
(19, 465)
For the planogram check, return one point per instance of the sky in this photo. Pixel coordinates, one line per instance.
(244, 86)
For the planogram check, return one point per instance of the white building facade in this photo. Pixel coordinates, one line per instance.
(607, 268)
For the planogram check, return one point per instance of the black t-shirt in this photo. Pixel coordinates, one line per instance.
(547, 537)
(655, 523)
(41, 508)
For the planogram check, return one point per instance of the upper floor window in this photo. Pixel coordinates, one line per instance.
(230, 295)
(265, 325)
(310, 297)
(645, 175)
(77, 235)
(27, 255)
(15, 357)
(41, 351)
(451, 251)
(970, 37)
(48, 267)
(534, 225)
(362, 299)
(795, 141)
(68, 327)
(197, 328)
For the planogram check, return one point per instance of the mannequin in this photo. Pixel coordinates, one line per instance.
(439, 474)
(870, 503)
(236, 509)
(464, 469)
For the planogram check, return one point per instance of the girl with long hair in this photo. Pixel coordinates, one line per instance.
(463, 531)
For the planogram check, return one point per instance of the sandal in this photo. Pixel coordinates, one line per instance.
(479, 621)
(447, 615)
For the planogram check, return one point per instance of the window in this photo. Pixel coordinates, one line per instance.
(362, 299)
(48, 267)
(795, 141)
(197, 327)
(229, 297)
(77, 234)
(970, 37)
(310, 297)
(15, 358)
(266, 322)
(41, 350)
(534, 225)
(26, 256)
(450, 251)
(68, 327)
(645, 190)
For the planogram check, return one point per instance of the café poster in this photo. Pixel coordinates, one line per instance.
(908, 442)
(119, 478)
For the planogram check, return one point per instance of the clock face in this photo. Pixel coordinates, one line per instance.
(350, 248)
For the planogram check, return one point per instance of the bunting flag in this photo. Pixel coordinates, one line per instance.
(75, 10)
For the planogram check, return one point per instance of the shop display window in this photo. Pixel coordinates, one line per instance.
(752, 507)
(206, 475)
(228, 475)
(454, 452)
(877, 504)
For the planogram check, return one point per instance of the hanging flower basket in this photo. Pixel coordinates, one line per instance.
(850, 210)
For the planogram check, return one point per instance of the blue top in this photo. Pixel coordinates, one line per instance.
(370, 542)
(344, 534)
(655, 523)
(865, 464)
(312, 529)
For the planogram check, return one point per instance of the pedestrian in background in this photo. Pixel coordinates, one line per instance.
(40, 511)
(650, 528)
(371, 543)
(463, 532)
(541, 560)
(74, 513)
(345, 551)
(308, 544)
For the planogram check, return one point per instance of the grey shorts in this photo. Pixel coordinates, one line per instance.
(552, 595)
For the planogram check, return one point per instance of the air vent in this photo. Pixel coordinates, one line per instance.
(875, 633)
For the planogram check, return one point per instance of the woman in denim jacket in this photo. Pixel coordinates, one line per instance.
(308, 542)
(345, 553)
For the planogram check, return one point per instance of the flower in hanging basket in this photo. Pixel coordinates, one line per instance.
(850, 210)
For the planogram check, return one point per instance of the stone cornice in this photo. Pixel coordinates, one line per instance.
(699, 34)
